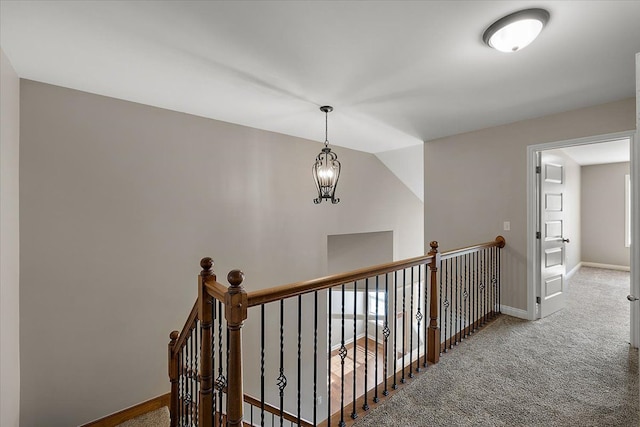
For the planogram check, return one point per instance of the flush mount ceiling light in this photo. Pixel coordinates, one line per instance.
(516, 31)
(326, 169)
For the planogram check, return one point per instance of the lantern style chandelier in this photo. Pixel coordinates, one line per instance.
(326, 169)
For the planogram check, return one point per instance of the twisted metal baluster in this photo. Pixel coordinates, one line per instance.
(454, 299)
(262, 343)
(221, 381)
(426, 313)
(441, 302)
(215, 314)
(315, 356)
(466, 295)
(365, 405)
(375, 393)
(395, 329)
(445, 303)
(386, 332)
(282, 379)
(299, 354)
(419, 315)
(410, 318)
(329, 373)
(343, 353)
(354, 414)
(499, 281)
(404, 321)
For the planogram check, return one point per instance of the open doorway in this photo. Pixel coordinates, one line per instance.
(557, 245)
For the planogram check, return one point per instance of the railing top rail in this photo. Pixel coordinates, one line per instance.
(263, 296)
(188, 325)
(498, 242)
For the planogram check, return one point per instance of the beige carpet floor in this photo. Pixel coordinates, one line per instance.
(573, 368)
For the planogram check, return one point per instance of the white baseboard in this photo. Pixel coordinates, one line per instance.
(607, 266)
(347, 341)
(514, 312)
(574, 270)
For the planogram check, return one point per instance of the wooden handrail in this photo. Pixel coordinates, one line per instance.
(214, 288)
(263, 296)
(276, 411)
(499, 242)
(188, 325)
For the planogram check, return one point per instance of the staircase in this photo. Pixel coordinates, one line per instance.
(265, 358)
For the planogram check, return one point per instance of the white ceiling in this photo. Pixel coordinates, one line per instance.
(604, 152)
(398, 73)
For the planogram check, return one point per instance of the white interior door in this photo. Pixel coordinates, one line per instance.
(552, 241)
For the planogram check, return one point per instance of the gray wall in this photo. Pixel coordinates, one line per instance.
(603, 204)
(475, 181)
(119, 201)
(9, 245)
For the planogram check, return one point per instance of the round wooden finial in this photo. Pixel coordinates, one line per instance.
(501, 242)
(206, 264)
(174, 335)
(434, 245)
(235, 278)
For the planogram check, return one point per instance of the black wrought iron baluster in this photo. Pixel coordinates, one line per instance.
(419, 315)
(404, 321)
(282, 379)
(456, 281)
(467, 260)
(454, 299)
(449, 301)
(441, 301)
(386, 332)
(444, 303)
(221, 381)
(377, 308)
(395, 330)
(474, 287)
(365, 405)
(426, 312)
(198, 340)
(499, 280)
(343, 354)
(410, 319)
(483, 287)
(494, 284)
(329, 372)
(189, 382)
(262, 354)
(354, 414)
(299, 354)
(315, 356)
(227, 363)
(471, 286)
(181, 387)
(214, 403)
(487, 282)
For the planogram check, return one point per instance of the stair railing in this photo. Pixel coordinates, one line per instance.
(376, 340)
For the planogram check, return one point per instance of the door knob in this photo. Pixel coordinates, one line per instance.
(632, 298)
(565, 240)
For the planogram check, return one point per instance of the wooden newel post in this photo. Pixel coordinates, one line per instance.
(173, 378)
(236, 304)
(433, 344)
(205, 315)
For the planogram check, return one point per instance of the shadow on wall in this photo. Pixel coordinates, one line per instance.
(514, 268)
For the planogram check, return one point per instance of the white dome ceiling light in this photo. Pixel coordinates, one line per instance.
(517, 30)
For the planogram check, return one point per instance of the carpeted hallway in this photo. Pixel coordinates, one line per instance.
(573, 368)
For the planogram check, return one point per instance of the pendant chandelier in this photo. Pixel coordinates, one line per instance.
(326, 169)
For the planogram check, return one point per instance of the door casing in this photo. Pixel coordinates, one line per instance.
(533, 246)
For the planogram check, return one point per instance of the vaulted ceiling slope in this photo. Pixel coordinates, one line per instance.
(398, 73)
